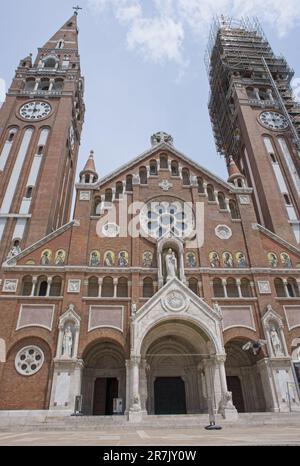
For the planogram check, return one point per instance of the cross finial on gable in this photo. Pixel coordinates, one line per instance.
(76, 9)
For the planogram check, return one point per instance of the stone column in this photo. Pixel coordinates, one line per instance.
(285, 287)
(224, 283)
(34, 282)
(115, 287)
(135, 411)
(128, 394)
(100, 281)
(226, 406)
(238, 284)
(49, 281)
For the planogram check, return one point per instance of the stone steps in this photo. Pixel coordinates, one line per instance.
(44, 421)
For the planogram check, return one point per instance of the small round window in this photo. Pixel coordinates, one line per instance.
(29, 360)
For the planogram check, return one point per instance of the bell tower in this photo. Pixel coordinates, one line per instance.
(40, 123)
(255, 120)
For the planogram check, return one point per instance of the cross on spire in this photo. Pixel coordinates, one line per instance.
(77, 8)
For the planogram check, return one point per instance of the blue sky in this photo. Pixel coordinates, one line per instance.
(143, 65)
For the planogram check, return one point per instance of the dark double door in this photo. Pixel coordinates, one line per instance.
(169, 395)
(105, 390)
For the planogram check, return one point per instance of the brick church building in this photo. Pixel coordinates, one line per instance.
(171, 290)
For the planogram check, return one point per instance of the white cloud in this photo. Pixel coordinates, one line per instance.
(158, 38)
(159, 35)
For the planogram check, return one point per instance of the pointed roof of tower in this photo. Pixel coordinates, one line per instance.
(233, 170)
(68, 32)
(90, 165)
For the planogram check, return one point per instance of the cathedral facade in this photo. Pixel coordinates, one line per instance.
(171, 290)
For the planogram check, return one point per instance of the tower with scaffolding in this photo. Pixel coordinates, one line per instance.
(255, 119)
(238, 53)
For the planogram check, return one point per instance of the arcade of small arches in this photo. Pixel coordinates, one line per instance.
(118, 287)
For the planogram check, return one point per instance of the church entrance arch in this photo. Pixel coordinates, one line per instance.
(176, 355)
(243, 378)
(104, 378)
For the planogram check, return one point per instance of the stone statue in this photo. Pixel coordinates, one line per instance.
(15, 250)
(171, 264)
(68, 342)
(276, 343)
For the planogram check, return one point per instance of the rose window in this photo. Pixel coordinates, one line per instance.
(161, 218)
(29, 360)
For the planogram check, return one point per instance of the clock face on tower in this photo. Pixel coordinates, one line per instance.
(35, 110)
(273, 120)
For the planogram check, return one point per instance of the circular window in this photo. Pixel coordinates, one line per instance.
(29, 360)
(159, 219)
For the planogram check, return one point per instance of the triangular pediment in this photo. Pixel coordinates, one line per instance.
(279, 243)
(171, 150)
(176, 302)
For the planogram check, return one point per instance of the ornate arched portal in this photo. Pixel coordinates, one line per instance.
(103, 378)
(177, 336)
(243, 378)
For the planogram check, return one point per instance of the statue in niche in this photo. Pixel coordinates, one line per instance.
(191, 259)
(241, 259)
(171, 264)
(15, 250)
(46, 256)
(276, 343)
(67, 342)
(95, 259)
(214, 260)
(227, 259)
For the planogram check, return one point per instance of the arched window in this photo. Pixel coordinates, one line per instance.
(153, 167)
(29, 84)
(93, 287)
(186, 177)
(250, 93)
(122, 288)
(129, 183)
(232, 289)
(246, 288)
(148, 288)
(60, 44)
(143, 175)
(292, 288)
(41, 286)
(108, 195)
(193, 285)
(11, 134)
(44, 84)
(28, 193)
(55, 288)
(119, 189)
(108, 287)
(58, 84)
(87, 179)
(210, 193)
(174, 168)
(279, 287)
(200, 185)
(234, 211)
(239, 182)
(97, 206)
(50, 62)
(163, 162)
(221, 201)
(218, 288)
(27, 285)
